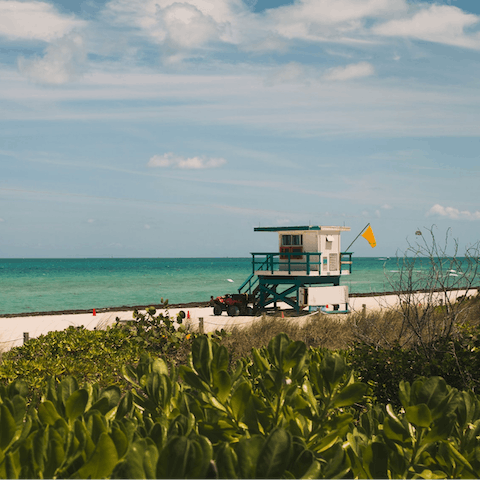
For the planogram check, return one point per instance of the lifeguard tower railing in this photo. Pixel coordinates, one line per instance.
(291, 264)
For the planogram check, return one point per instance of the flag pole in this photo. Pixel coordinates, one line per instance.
(364, 228)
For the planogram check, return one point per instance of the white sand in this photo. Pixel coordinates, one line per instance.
(12, 329)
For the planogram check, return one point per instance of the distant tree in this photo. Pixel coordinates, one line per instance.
(433, 282)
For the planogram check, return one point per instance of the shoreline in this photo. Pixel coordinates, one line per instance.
(15, 328)
(199, 304)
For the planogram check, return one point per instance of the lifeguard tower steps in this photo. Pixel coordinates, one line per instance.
(278, 277)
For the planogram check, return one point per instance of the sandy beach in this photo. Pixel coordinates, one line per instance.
(13, 328)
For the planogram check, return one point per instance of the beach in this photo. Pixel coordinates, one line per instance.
(13, 328)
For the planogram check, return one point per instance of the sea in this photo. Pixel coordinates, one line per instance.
(55, 285)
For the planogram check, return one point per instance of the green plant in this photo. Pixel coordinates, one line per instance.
(289, 412)
(455, 359)
(89, 355)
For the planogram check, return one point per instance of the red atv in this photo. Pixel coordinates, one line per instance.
(234, 304)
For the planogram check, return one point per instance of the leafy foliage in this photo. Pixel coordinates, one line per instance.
(88, 355)
(96, 355)
(288, 412)
(455, 359)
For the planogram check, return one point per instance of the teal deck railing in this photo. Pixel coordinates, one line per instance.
(290, 262)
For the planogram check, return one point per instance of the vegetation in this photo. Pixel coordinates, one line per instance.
(288, 412)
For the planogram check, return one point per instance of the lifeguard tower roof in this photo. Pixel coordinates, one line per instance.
(300, 228)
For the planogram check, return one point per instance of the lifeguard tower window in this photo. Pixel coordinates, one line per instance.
(328, 243)
(291, 244)
(288, 240)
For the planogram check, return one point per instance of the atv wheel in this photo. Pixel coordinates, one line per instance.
(217, 310)
(233, 311)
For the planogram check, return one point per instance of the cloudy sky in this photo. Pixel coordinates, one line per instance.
(160, 128)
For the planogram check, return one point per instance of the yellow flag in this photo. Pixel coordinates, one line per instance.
(369, 236)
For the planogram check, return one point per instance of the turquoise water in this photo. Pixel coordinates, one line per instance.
(40, 285)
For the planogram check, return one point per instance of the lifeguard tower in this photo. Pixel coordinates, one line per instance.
(305, 270)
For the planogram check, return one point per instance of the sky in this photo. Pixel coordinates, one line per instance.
(156, 128)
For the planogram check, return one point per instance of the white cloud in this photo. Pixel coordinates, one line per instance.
(437, 23)
(180, 24)
(182, 27)
(34, 21)
(64, 61)
(2, 220)
(386, 206)
(453, 213)
(186, 26)
(147, 226)
(170, 160)
(354, 70)
(323, 19)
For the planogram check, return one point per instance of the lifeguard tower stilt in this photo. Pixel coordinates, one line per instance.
(305, 271)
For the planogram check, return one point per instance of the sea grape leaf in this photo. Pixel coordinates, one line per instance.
(375, 457)
(125, 406)
(259, 361)
(277, 348)
(96, 424)
(19, 407)
(332, 369)
(275, 454)
(419, 415)
(76, 403)
(102, 461)
(150, 458)
(395, 431)
(349, 395)
(222, 383)
(66, 388)
(47, 413)
(174, 458)
(192, 379)
(220, 359)
(226, 462)
(239, 399)
(441, 429)
(294, 358)
(202, 357)
(108, 400)
(120, 440)
(202, 455)
(313, 471)
(8, 427)
(54, 456)
(40, 443)
(137, 463)
(248, 453)
(404, 393)
(160, 366)
(432, 392)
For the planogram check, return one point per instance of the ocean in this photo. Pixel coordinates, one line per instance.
(44, 285)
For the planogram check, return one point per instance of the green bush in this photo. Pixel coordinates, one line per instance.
(289, 412)
(455, 359)
(88, 355)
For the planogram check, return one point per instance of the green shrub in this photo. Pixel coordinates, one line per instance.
(289, 412)
(88, 355)
(455, 359)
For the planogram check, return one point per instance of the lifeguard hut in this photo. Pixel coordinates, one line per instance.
(306, 269)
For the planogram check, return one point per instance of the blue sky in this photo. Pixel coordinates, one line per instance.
(157, 128)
